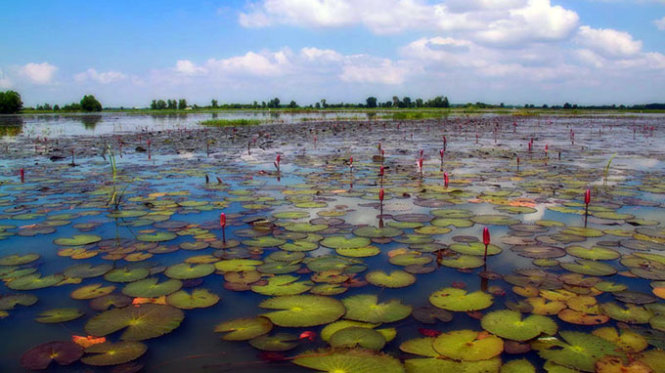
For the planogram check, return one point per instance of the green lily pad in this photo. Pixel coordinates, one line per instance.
(78, 240)
(410, 258)
(339, 242)
(58, 315)
(186, 271)
(303, 310)
(336, 326)
(277, 342)
(107, 353)
(583, 232)
(455, 222)
(475, 248)
(452, 213)
(462, 262)
(244, 329)
(366, 308)
(453, 299)
(157, 237)
(396, 279)
(237, 265)
(40, 357)
(304, 227)
(264, 241)
(87, 270)
(139, 323)
(290, 215)
(283, 285)
(436, 365)
(329, 262)
(589, 267)
(510, 325)
(8, 302)
(631, 313)
(468, 345)
(352, 360)
(361, 252)
(328, 289)
(577, 350)
(358, 337)
(420, 347)
(34, 281)
(494, 220)
(278, 268)
(374, 232)
(518, 366)
(629, 341)
(16, 260)
(198, 298)
(92, 291)
(150, 288)
(299, 245)
(594, 253)
(126, 274)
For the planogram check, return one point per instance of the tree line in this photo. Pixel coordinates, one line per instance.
(11, 103)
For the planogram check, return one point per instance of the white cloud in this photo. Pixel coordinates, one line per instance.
(608, 42)
(103, 77)
(660, 24)
(365, 69)
(4, 81)
(495, 22)
(187, 67)
(256, 64)
(38, 73)
(315, 54)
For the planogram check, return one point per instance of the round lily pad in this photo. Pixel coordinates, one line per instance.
(15, 260)
(186, 271)
(366, 308)
(453, 299)
(631, 313)
(455, 222)
(339, 242)
(589, 267)
(244, 329)
(264, 241)
(396, 279)
(373, 232)
(58, 315)
(105, 302)
(629, 341)
(107, 353)
(594, 253)
(198, 298)
(446, 365)
(92, 291)
(34, 281)
(577, 350)
(494, 220)
(126, 274)
(303, 310)
(336, 326)
(430, 315)
(462, 262)
(8, 302)
(349, 360)
(475, 248)
(87, 270)
(510, 325)
(139, 323)
(277, 342)
(237, 265)
(361, 252)
(40, 357)
(283, 285)
(468, 345)
(78, 240)
(357, 337)
(151, 288)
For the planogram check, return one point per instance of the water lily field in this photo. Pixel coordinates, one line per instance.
(338, 244)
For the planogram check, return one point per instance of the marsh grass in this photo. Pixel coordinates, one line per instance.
(230, 122)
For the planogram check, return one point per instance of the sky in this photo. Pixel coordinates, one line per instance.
(515, 52)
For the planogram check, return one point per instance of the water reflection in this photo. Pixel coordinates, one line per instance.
(11, 125)
(90, 121)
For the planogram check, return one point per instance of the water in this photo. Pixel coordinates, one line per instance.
(167, 182)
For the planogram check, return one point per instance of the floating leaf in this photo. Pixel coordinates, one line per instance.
(336, 326)
(277, 342)
(303, 310)
(78, 240)
(15, 260)
(198, 298)
(339, 242)
(430, 315)
(475, 248)
(594, 253)
(237, 265)
(420, 347)
(186, 271)
(361, 252)
(8, 302)
(40, 357)
(445, 365)
(141, 322)
(462, 262)
(87, 270)
(468, 345)
(590, 267)
(358, 337)
(365, 307)
(453, 299)
(356, 361)
(629, 341)
(157, 237)
(494, 220)
(150, 288)
(108, 353)
(518, 366)
(373, 232)
(631, 313)
(577, 350)
(127, 274)
(510, 325)
(58, 315)
(244, 329)
(92, 291)
(283, 285)
(34, 281)
(396, 279)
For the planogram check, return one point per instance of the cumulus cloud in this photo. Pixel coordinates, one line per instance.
(608, 42)
(364, 69)
(38, 73)
(187, 67)
(103, 77)
(660, 24)
(496, 21)
(4, 81)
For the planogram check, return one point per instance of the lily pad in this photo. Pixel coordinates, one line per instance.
(373, 232)
(510, 325)
(283, 285)
(40, 357)
(34, 281)
(475, 248)
(594, 253)
(589, 267)
(244, 329)
(396, 279)
(107, 353)
(462, 262)
(577, 350)
(629, 341)
(15, 260)
(150, 288)
(139, 323)
(8, 302)
(631, 313)
(351, 361)
(126, 274)
(78, 240)
(340, 242)
(366, 308)
(58, 315)
(92, 291)
(468, 345)
(494, 220)
(453, 299)
(357, 337)
(436, 365)
(303, 310)
(277, 342)
(87, 270)
(198, 298)
(186, 271)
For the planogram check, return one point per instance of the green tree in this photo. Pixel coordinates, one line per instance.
(56, 107)
(161, 105)
(292, 104)
(10, 102)
(213, 103)
(182, 104)
(406, 102)
(396, 101)
(90, 103)
(419, 102)
(371, 102)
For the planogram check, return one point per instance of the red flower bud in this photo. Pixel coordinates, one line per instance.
(222, 220)
(486, 236)
(381, 194)
(587, 196)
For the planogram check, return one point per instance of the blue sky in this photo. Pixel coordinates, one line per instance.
(512, 51)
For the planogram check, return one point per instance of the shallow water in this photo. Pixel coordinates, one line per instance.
(481, 159)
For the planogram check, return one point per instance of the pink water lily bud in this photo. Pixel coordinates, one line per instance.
(381, 194)
(222, 220)
(587, 196)
(486, 236)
